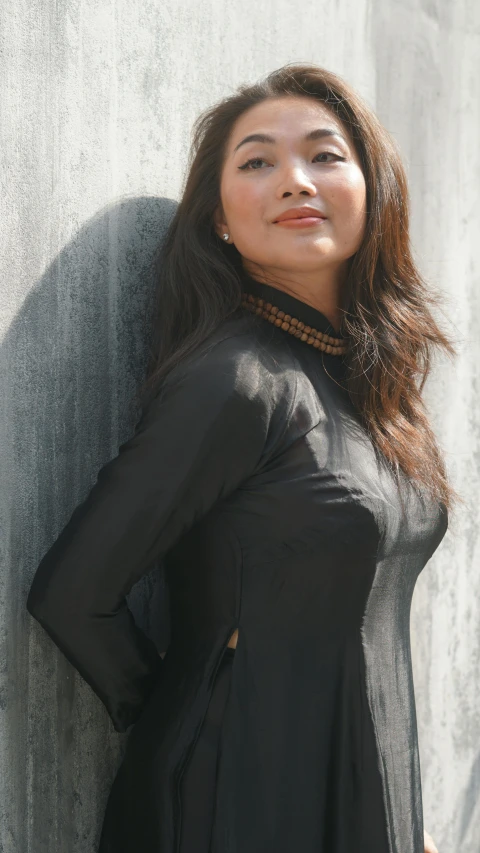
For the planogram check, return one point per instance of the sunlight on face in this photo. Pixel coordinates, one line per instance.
(263, 179)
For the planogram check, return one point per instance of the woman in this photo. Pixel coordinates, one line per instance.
(285, 471)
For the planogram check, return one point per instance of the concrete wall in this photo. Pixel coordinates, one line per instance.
(97, 102)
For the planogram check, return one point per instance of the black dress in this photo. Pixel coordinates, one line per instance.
(251, 476)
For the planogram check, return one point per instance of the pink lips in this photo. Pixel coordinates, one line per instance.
(301, 222)
(300, 217)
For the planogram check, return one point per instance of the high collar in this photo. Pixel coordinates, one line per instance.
(290, 304)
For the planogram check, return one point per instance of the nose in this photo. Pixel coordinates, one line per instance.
(294, 179)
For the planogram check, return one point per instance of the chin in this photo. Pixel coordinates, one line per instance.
(302, 260)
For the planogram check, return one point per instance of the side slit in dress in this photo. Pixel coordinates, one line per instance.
(199, 778)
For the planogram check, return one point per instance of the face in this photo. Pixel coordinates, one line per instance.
(308, 159)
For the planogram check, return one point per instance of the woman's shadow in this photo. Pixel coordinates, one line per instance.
(75, 355)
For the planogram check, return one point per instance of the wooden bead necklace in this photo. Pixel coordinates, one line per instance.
(318, 340)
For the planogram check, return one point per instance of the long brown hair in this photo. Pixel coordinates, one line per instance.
(386, 309)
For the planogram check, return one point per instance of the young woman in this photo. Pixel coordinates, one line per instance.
(285, 471)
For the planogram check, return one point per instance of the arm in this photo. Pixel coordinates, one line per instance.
(194, 444)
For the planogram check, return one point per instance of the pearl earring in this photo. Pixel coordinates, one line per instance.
(225, 236)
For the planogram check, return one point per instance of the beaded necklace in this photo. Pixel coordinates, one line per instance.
(319, 340)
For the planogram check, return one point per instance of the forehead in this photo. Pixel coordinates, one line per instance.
(285, 118)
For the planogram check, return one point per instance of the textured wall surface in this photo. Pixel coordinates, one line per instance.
(97, 102)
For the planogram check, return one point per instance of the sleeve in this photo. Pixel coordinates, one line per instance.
(193, 445)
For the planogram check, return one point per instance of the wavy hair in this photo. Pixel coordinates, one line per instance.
(386, 311)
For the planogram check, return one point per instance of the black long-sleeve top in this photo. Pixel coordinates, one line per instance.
(251, 476)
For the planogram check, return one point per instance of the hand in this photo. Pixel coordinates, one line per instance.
(429, 843)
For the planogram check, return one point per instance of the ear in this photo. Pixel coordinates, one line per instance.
(219, 221)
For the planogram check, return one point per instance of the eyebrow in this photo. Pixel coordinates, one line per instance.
(319, 133)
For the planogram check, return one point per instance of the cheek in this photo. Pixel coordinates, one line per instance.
(350, 193)
(243, 202)
(348, 196)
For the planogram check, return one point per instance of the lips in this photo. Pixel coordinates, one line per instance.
(300, 213)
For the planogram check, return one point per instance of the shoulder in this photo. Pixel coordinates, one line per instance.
(248, 374)
(238, 385)
(239, 359)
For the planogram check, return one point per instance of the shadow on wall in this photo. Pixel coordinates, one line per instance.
(72, 361)
(75, 354)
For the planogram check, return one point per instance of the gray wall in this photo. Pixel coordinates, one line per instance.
(97, 101)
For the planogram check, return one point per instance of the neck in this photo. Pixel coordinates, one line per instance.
(321, 290)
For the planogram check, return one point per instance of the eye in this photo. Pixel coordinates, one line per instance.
(329, 154)
(252, 160)
(248, 165)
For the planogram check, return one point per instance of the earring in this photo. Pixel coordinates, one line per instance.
(225, 236)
